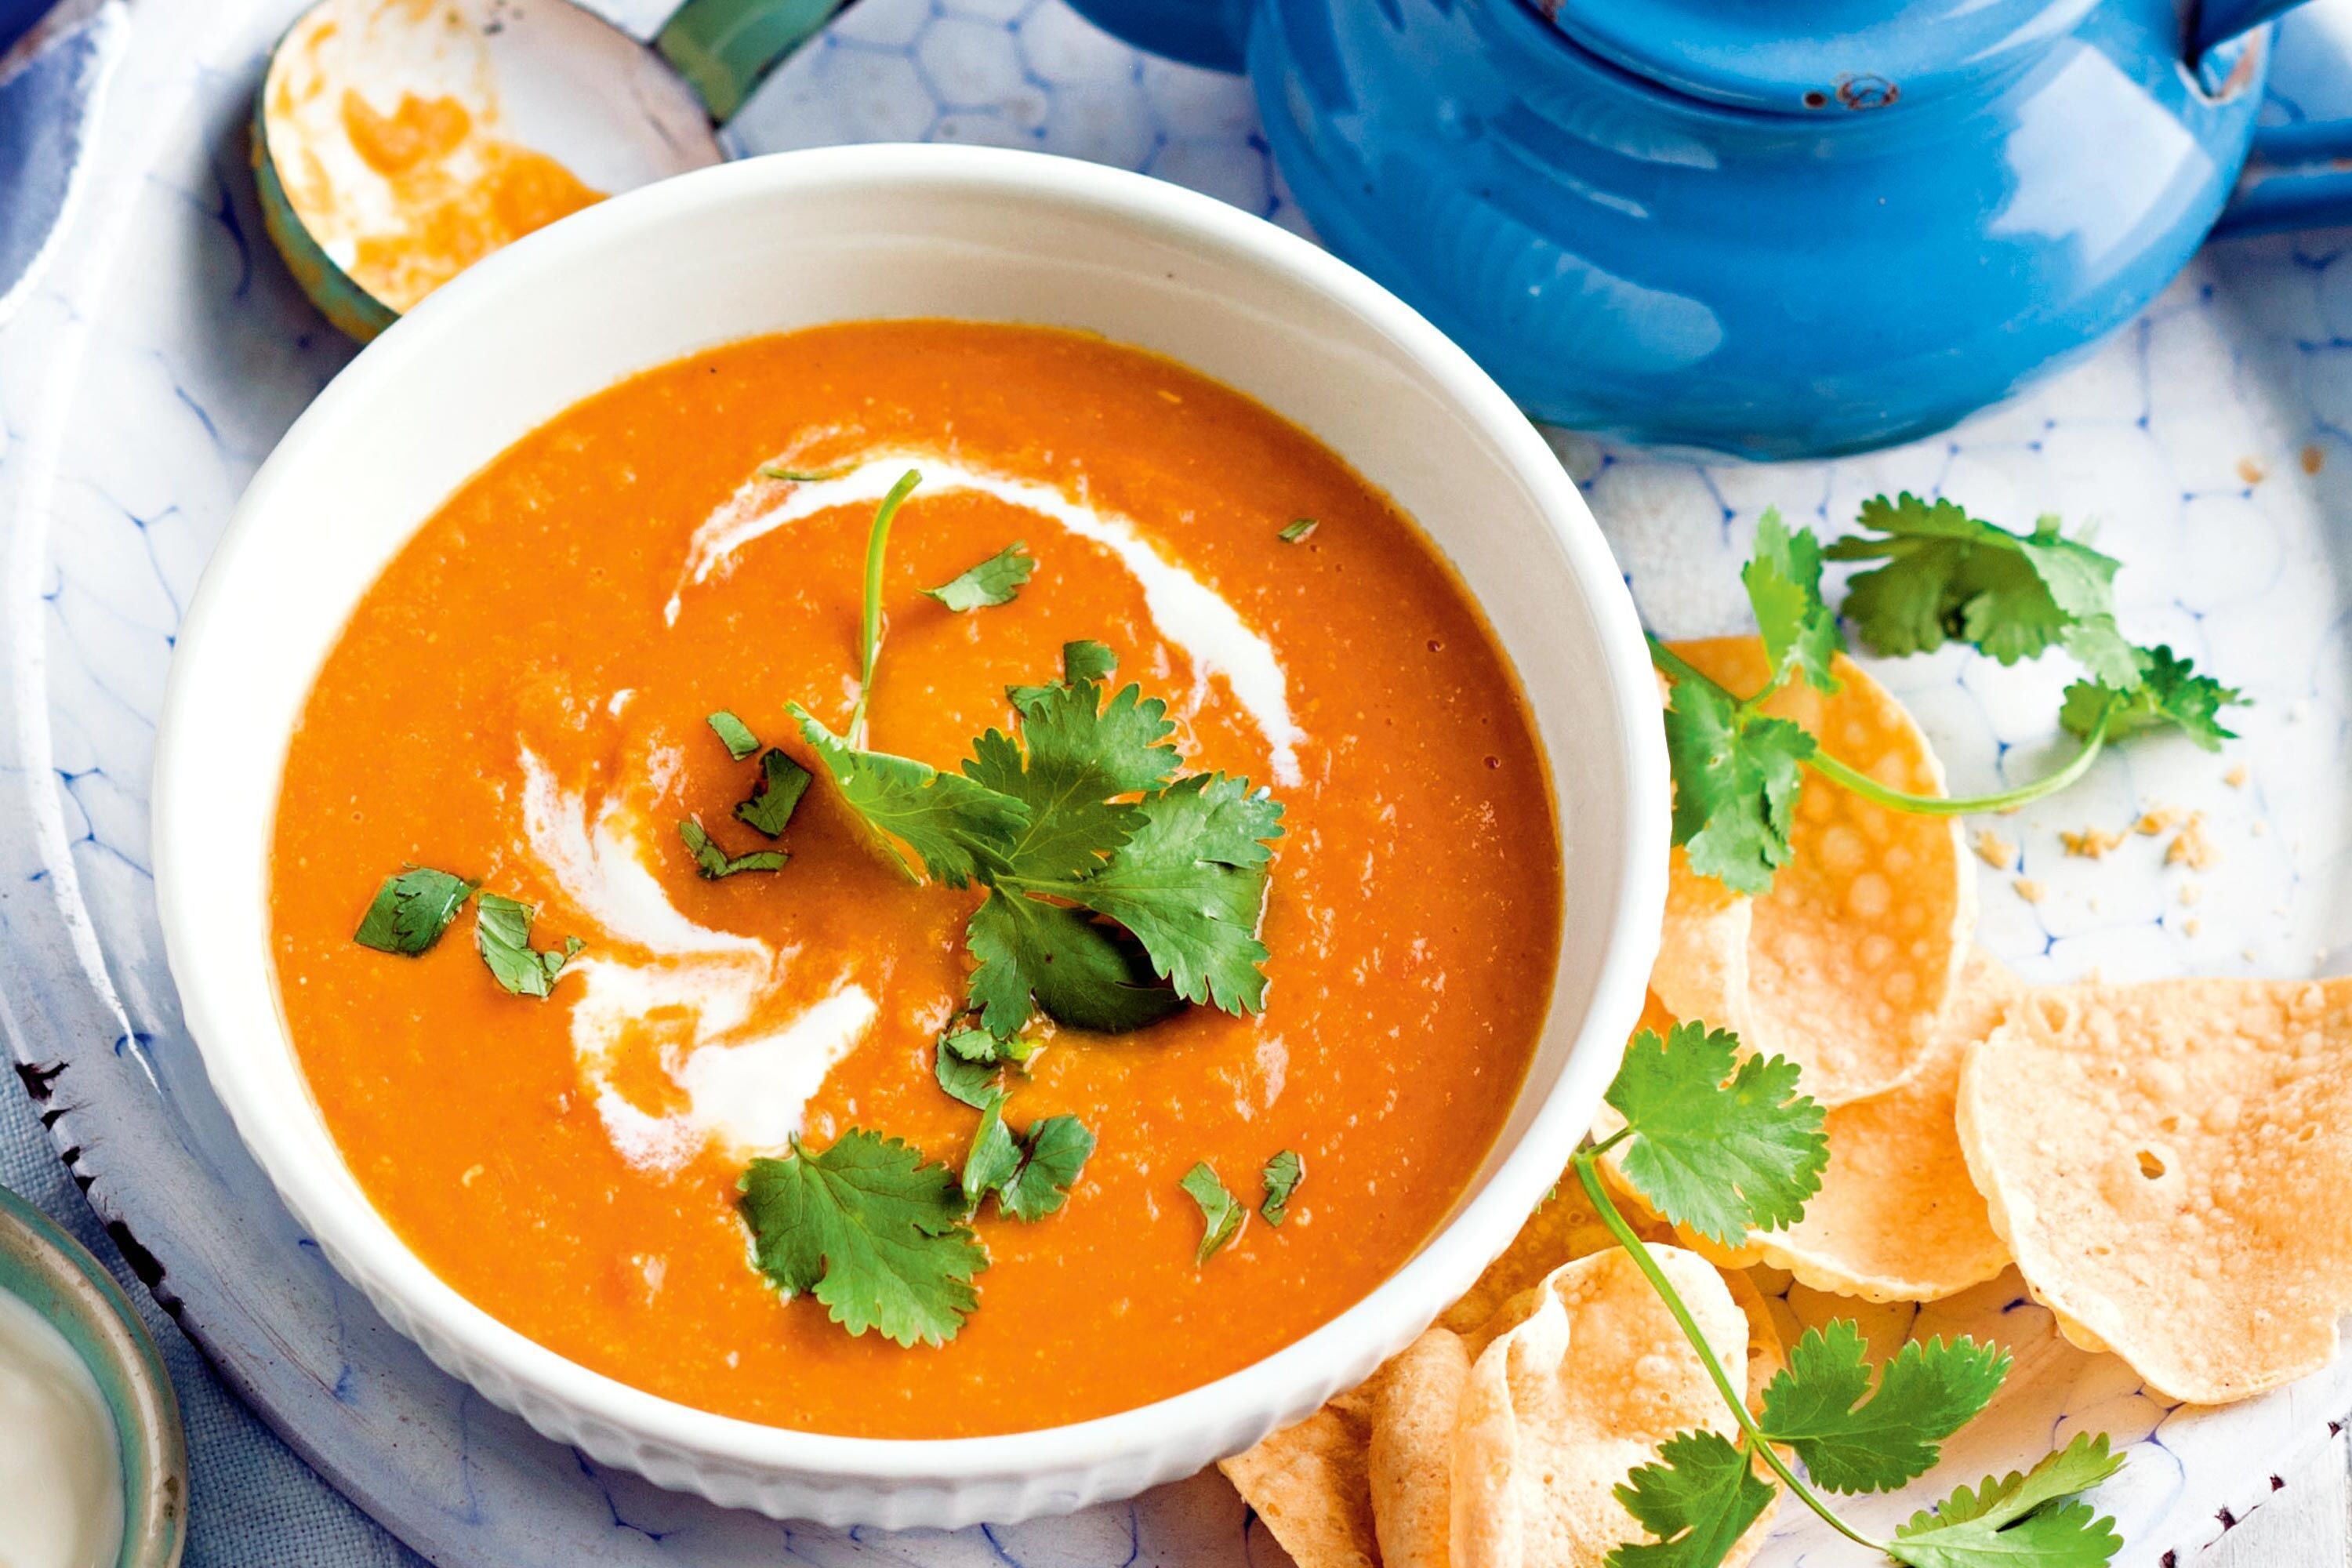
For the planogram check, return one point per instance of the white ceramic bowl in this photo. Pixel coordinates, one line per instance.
(807, 237)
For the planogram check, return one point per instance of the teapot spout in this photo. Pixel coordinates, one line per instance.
(1197, 32)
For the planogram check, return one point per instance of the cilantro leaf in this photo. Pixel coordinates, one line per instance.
(1698, 1499)
(782, 781)
(2170, 693)
(411, 910)
(1783, 578)
(733, 734)
(1087, 659)
(954, 825)
(1719, 1150)
(1057, 1148)
(1080, 751)
(993, 581)
(1189, 884)
(1736, 781)
(1081, 972)
(974, 1082)
(1282, 1175)
(1952, 576)
(2019, 1518)
(1857, 1439)
(994, 1156)
(1031, 1174)
(502, 936)
(871, 1231)
(1221, 1214)
(1298, 532)
(714, 862)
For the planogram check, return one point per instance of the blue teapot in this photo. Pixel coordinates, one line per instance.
(1768, 230)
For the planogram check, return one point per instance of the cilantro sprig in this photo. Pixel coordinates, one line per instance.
(1947, 576)
(1118, 888)
(1727, 1149)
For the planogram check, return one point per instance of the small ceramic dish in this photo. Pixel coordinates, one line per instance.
(70, 1290)
(790, 241)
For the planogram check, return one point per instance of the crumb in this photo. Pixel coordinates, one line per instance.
(2009, 811)
(2190, 892)
(2247, 953)
(2192, 926)
(2250, 470)
(2190, 848)
(2028, 889)
(2090, 843)
(2314, 459)
(1993, 849)
(2152, 823)
(2259, 828)
(2237, 776)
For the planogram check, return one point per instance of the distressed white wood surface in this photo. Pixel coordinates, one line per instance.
(2308, 1523)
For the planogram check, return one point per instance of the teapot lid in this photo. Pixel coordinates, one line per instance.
(1822, 57)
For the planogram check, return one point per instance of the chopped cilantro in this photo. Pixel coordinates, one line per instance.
(1221, 1214)
(807, 475)
(994, 1156)
(1299, 530)
(1718, 1145)
(1057, 1148)
(1282, 1175)
(1031, 1172)
(1856, 1439)
(1087, 659)
(782, 781)
(502, 936)
(992, 582)
(2170, 695)
(411, 910)
(871, 1231)
(714, 862)
(1698, 1500)
(974, 1082)
(733, 734)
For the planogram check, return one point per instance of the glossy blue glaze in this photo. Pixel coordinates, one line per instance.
(1688, 233)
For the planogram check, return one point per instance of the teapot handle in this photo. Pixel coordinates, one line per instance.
(2297, 177)
(1197, 32)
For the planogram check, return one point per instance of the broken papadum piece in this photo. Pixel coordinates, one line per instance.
(1844, 965)
(1311, 1485)
(1416, 1402)
(2172, 1163)
(1561, 1407)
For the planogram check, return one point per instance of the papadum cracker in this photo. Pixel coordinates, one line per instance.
(1311, 1485)
(1416, 1403)
(1560, 1408)
(1844, 966)
(1898, 1217)
(2172, 1163)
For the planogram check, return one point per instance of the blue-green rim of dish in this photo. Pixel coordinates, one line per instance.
(67, 1287)
(354, 311)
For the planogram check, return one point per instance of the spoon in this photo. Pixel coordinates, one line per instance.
(396, 143)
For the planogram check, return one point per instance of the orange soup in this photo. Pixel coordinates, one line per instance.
(522, 707)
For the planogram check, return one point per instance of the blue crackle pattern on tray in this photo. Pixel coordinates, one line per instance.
(166, 351)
